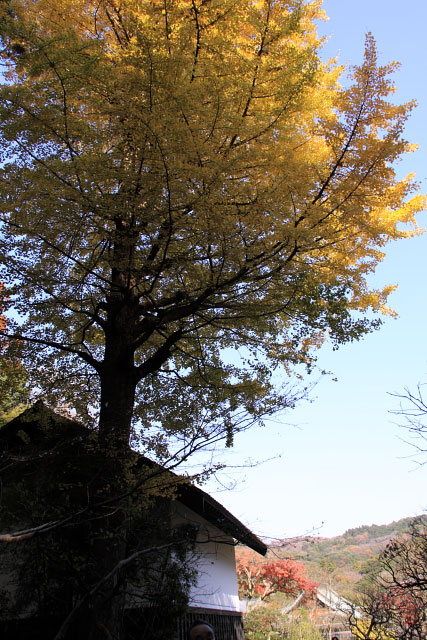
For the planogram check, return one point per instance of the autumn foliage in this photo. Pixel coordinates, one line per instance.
(180, 180)
(395, 605)
(13, 393)
(261, 579)
(185, 177)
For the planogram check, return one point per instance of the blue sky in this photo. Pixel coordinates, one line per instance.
(342, 459)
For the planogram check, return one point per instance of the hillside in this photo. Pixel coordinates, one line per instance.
(344, 561)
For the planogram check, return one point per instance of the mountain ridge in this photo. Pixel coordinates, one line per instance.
(344, 562)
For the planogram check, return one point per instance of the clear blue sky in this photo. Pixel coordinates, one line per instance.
(342, 460)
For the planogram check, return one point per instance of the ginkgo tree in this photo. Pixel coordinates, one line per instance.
(180, 179)
(13, 392)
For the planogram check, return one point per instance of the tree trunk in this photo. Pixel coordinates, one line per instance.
(109, 531)
(118, 385)
(117, 400)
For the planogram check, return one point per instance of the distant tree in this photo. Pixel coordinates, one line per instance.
(264, 623)
(301, 628)
(413, 408)
(269, 623)
(395, 604)
(258, 580)
(328, 564)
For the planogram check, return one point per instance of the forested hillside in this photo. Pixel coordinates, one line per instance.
(344, 561)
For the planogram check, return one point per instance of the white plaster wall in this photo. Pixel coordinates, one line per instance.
(216, 564)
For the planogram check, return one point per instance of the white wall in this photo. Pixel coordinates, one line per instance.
(214, 554)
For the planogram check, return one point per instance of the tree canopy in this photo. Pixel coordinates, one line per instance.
(395, 605)
(183, 178)
(13, 392)
(259, 579)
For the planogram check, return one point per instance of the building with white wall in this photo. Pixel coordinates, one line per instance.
(214, 596)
